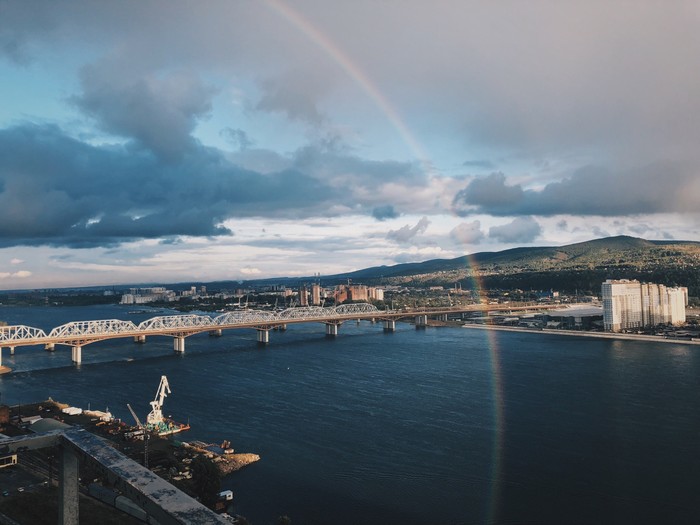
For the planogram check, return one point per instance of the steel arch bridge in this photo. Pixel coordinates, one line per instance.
(86, 332)
(79, 333)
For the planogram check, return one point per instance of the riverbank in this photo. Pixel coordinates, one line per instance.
(169, 458)
(583, 333)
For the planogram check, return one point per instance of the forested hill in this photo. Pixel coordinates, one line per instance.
(582, 266)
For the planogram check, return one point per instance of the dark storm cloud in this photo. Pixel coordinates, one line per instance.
(59, 191)
(490, 193)
(519, 230)
(653, 188)
(382, 213)
(157, 111)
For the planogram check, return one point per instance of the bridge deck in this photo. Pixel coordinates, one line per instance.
(80, 333)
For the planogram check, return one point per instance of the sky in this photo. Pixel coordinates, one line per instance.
(174, 141)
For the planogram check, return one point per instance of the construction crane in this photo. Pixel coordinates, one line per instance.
(155, 417)
(146, 434)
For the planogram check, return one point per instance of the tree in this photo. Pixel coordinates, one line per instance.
(206, 479)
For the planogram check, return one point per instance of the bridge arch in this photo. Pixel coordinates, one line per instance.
(245, 317)
(169, 322)
(103, 327)
(356, 309)
(9, 334)
(304, 312)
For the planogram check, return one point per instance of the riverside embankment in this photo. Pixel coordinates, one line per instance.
(583, 333)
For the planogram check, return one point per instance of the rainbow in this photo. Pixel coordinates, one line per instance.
(323, 42)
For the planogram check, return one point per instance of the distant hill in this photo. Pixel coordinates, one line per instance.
(581, 266)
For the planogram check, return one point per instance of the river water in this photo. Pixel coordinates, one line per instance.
(434, 426)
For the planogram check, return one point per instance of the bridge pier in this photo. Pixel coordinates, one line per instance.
(215, 333)
(421, 321)
(68, 482)
(77, 354)
(179, 345)
(263, 335)
(49, 347)
(390, 325)
(139, 339)
(12, 350)
(331, 329)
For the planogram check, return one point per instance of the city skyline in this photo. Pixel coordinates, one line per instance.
(169, 141)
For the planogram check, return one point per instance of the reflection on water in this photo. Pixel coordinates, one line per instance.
(382, 428)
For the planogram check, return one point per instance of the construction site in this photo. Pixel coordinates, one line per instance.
(29, 477)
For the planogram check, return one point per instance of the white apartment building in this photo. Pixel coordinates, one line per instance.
(631, 304)
(622, 305)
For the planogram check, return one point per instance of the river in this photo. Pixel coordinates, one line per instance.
(433, 426)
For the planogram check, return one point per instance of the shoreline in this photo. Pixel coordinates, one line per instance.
(584, 333)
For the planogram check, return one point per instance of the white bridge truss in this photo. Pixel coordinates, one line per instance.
(19, 333)
(85, 332)
(87, 329)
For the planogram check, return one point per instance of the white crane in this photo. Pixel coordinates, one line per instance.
(155, 417)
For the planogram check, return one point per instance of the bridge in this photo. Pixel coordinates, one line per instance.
(77, 334)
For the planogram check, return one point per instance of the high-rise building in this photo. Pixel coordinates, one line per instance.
(376, 294)
(357, 292)
(631, 304)
(315, 294)
(622, 305)
(303, 296)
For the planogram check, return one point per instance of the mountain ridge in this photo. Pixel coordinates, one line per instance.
(577, 266)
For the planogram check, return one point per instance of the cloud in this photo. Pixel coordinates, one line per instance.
(384, 212)
(483, 164)
(640, 229)
(16, 261)
(659, 187)
(519, 230)
(600, 232)
(489, 193)
(56, 190)
(294, 94)
(59, 191)
(406, 233)
(467, 233)
(22, 274)
(159, 112)
(237, 137)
